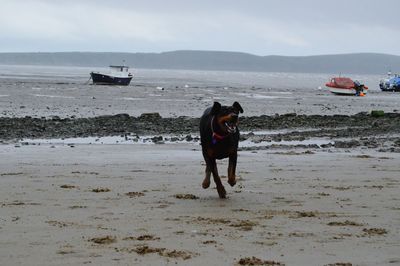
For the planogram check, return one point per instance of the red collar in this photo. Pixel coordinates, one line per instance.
(218, 137)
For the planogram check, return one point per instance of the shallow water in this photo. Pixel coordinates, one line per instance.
(41, 91)
(166, 139)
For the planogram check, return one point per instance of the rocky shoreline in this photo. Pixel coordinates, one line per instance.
(335, 126)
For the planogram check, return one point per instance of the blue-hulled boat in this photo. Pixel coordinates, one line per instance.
(390, 83)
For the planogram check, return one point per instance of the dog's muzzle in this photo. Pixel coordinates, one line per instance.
(231, 125)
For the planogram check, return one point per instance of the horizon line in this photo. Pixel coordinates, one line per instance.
(196, 50)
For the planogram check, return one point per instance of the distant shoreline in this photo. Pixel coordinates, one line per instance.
(357, 63)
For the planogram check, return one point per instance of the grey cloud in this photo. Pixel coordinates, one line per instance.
(258, 26)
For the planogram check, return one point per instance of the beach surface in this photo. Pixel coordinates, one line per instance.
(66, 92)
(143, 204)
(99, 175)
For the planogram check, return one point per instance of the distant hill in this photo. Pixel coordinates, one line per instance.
(363, 63)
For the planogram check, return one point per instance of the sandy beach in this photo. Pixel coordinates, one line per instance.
(86, 178)
(144, 205)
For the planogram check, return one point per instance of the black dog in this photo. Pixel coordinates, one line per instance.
(219, 139)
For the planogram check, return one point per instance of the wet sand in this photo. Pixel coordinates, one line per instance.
(312, 190)
(66, 92)
(77, 100)
(144, 205)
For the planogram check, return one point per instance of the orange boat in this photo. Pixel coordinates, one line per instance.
(346, 86)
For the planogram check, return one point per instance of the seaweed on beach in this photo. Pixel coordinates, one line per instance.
(362, 124)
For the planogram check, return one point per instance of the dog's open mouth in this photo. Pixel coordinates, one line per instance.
(230, 126)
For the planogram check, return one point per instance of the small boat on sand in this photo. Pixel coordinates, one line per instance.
(117, 75)
(346, 86)
(390, 83)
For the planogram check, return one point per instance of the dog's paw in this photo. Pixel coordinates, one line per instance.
(221, 192)
(232, 182)
(206, 184)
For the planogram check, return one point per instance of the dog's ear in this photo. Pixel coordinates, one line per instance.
(237, 106)
(216, 108)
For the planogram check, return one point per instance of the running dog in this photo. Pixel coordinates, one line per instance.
(219, 136)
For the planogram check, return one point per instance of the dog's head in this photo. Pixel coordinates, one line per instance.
(227, 117)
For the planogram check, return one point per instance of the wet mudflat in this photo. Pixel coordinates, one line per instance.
(112, 175)
(143, 204)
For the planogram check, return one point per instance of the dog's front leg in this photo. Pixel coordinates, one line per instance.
(206, 181)
(217, 180)
(232, 169)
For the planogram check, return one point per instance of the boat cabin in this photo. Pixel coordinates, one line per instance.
(120, 68)
(121, 71)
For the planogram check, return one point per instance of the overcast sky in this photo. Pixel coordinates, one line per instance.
(261, 27)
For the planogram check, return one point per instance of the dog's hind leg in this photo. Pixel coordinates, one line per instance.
(211, 167)
(232, 170)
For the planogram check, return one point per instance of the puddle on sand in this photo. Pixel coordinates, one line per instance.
(163, 139)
